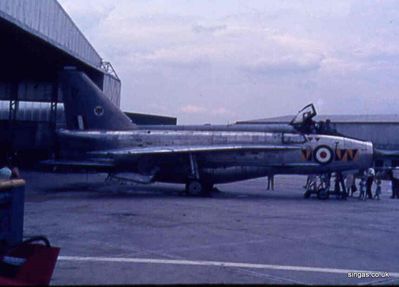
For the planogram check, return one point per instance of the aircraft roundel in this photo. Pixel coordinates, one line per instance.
(323, 154)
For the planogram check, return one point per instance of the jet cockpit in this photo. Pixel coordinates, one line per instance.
(304, 123)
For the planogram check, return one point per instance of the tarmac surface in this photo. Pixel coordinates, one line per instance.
(131, 234)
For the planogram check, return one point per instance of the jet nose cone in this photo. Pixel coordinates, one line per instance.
(361, 153)
(367, 154)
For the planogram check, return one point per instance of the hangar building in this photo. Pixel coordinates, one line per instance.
(38, 39)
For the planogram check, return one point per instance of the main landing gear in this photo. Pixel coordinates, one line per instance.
(194, 185)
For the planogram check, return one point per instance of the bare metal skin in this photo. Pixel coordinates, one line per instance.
(99, 136)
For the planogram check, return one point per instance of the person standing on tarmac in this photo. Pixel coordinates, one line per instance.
(378, 188)
(369, 183)
(362, 186)
(395, 185)
(349, 181)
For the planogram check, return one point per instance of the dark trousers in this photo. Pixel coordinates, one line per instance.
(368, 189)
(395, 188)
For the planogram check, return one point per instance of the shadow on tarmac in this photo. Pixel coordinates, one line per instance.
(75, 186)
(135, 191)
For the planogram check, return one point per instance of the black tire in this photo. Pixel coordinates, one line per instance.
(323, 194)
(195, 187)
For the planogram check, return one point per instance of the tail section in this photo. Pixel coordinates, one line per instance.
(86, 106)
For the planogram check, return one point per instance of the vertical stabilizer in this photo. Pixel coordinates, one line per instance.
(86, 106)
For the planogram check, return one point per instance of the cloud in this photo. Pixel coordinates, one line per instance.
(185, 56)
(192, 109)
(221, 112)
(198, 28)
(239, 48)
(246, 59)
(339, 66)
(285, 65)
(90, 13)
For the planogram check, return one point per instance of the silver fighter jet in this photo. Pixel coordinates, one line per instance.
(102, 137)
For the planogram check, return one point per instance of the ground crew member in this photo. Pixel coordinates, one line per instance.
(393, 183)
(378, 189)
(362, 186)
(351, 184)
(369, 182)
(395, 187)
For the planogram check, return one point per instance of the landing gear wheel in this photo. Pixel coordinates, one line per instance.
(323, 194)
(194, 188)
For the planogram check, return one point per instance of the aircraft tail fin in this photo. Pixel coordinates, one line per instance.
(86, 106)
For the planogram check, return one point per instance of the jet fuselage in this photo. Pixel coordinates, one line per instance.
(293, 153)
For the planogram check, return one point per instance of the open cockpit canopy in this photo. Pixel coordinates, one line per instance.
(304, 116)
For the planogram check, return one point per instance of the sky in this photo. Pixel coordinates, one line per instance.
(221, 61)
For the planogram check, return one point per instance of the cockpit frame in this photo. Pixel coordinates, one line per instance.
(304, 123)
(304, 116)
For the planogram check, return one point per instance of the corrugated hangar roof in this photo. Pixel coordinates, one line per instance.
(39, 39)
(393, 118)
(47, 20)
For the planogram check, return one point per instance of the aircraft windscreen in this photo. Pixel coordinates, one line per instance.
(304, 115)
